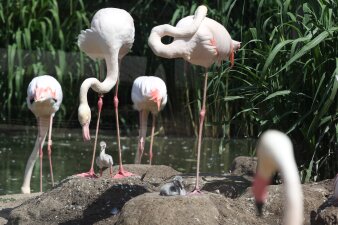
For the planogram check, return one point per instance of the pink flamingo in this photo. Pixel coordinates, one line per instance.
(149, 94)
(44, 97)
(275, 152)
(200, 41)
(110, 37)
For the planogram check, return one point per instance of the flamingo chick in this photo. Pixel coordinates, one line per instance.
(110, 37)
(149, 94)
(275, 152)
(44, 97)
(104, 160)
(200, 41)
(175, 187)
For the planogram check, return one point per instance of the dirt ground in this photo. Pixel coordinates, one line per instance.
(226, 199)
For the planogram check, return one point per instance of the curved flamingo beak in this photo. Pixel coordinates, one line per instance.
(260, 193)
(85, 132)
(156, 97)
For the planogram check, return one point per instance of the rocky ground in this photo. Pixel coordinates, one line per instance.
(226, 199)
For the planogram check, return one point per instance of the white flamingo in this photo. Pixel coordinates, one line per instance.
(110, 37)
(200, 41)
(149, 94)
(275, 152)
(104, 160)
(335, 188)
(44, 97)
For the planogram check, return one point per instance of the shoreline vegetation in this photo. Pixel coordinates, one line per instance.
(284, 77)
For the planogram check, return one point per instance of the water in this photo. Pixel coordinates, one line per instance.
(71, 155)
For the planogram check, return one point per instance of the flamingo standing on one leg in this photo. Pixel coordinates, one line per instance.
(200, 41)
(104, 160)
(149, 94)
(110, 37)
(275, 152)
(44, 97)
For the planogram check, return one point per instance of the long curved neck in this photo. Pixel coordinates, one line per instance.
(43, 124)
(170, 50)
(294, 195)
(109, 82)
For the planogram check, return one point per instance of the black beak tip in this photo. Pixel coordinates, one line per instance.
(259, 206)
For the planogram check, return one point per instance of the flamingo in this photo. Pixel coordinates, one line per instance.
(149, 94)
(200, 41)
(275, 152)
(175, 187)
(104, 160)
(110, 37)
(44, 97)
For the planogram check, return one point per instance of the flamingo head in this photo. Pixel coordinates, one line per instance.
(156, 97)
(259, 189)
(84, 116)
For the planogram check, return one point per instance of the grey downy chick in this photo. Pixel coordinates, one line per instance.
(175, 187)
(104, 160)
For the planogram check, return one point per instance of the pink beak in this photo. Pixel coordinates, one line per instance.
(260, 193)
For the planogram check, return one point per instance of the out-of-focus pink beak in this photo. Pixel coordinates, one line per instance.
(85, 132)
(259, 191)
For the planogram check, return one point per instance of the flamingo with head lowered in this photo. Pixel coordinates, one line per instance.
(200, 41)
(149, 94)
(275, 153)
(44, 97)
(110, 37)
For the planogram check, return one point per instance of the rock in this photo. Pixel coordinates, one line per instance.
(136, 200)
(244, 166)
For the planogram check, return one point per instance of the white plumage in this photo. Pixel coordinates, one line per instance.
(275, 152)
(44, 97)
(149, 94)
(110, 37)
(335, 187)
(104, 160)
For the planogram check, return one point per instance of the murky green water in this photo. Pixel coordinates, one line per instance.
(71, 155)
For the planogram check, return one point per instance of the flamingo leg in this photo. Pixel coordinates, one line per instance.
(152, 140)
(40, 150)
(121, 172)
(202, 116)
(100, 172)
(141, 140)
(50, 149)
(91, 173)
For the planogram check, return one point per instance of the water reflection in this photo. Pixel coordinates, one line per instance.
(71, 155)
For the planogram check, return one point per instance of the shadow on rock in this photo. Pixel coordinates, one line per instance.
(230, 186)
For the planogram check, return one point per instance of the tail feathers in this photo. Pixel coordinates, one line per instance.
(90, 42)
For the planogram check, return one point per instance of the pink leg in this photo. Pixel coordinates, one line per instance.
(91, 173)
(100, 172)
(141, 139)
(202, 115)
(152, 140)
(41, 156)
(121, 172)
(50, 149)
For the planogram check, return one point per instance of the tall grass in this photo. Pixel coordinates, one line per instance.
(285, 74)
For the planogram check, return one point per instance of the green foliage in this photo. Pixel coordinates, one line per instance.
(285, 74)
